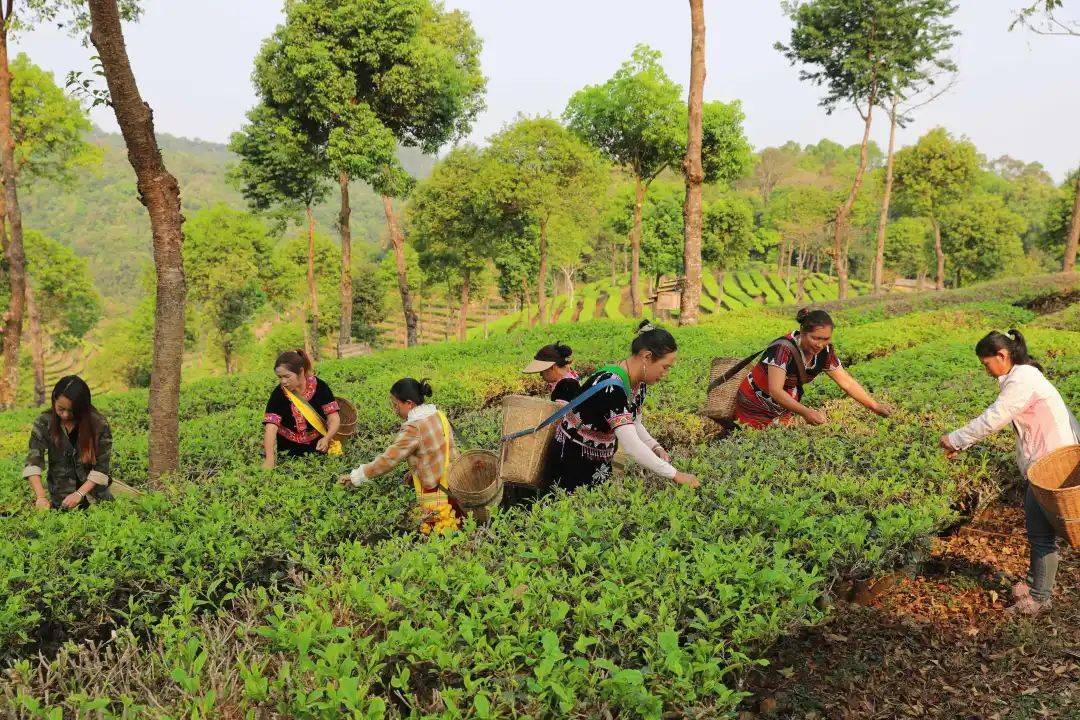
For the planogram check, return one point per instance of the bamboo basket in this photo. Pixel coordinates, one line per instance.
(522, 460)
(720, 402)
(1055, 480)
(347, 415)
(474, 482)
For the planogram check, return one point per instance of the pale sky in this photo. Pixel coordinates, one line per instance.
(1017, 93)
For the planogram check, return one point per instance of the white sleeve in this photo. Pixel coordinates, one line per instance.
(1014, 397)
(631, 443)
(649, 440)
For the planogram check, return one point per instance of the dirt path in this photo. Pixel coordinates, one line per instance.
(936, 645)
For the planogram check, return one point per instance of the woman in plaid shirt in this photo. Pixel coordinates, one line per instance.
(425, 442)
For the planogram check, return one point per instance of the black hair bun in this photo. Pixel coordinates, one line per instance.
(563, 350)
(425, 388)
(800, 317)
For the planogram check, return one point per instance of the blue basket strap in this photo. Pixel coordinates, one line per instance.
(568, 408)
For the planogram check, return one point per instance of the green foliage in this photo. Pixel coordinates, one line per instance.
(726, 231)
(632, 597)
(67, 301)
(863, 51)
(934, 172)
(230, 271)
(292, 261)
(369, 296)
(980, 236)
(907, 246)
(633, 118)
(49, 127)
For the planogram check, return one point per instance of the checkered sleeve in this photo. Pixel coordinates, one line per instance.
(404, 445)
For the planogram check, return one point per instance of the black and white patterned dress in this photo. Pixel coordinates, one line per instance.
(585, 441)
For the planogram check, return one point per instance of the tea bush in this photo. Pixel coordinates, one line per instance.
(240, 592)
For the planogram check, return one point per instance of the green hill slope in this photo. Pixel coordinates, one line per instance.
(100, 217)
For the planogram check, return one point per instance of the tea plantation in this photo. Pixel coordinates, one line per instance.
(233, 592)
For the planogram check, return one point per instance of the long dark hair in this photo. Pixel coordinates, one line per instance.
(656, 340)
(563, 352)
(809, 319)
(295, 360)
(1012, 341)
(410, 390)
(87, 419)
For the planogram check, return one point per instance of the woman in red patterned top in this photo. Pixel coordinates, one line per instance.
(772, 392)
(286, 428)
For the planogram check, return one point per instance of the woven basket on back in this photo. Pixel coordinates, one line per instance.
(522, 459)
(720, 403)
(347, 415)
(1055, 480)
(474, 483)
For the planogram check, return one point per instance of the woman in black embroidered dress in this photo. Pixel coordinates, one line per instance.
(286, 428)
(587, 438)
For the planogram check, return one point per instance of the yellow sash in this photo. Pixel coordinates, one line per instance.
(446, 459)
(313, 419)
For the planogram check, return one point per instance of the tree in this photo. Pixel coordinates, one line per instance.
(634, 119)
(281, 168)
(313, 258)
(540, 170)
(1041, 17)
(727, 231)
(160, 193)
(801, 215)
(864, 51)
(367, 295)
(61, 301)
(908, 250)
(452, 221)
(981, 236)
(230, 270)
(693, 173)
(931, 174)
(365, 76)
(13, 18)
(771, 167)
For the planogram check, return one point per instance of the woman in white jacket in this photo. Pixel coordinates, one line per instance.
(1043, 424)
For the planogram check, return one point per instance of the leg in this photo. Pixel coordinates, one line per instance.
(1044, 554)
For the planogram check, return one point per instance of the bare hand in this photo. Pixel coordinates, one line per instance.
(947, 446)
(816, 417)
(661, 453)
(882, 409)
(323, 445)
(344, 480)
(687, 479)
(42, 503)
(72, 500)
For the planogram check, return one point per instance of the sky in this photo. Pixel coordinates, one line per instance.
(1016, 93)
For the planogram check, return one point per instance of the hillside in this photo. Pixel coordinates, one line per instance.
(100, 217)
(228, 591)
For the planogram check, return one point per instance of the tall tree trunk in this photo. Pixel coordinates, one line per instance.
(541, 282)
(939, 278)
(692, 170)
(845, 209)
(344, 216)
(313, 294)
(398, 243)
(227, 350)
(37, 346)
(614, 259)
(568, 277)
(1074, 232)
(11, 235)
(463, 320)
(487, 305)
(886, 198)
(160, 193)
(635, 248)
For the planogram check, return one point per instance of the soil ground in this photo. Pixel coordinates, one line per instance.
(936, 644)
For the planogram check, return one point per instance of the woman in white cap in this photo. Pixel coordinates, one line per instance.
(552, 363)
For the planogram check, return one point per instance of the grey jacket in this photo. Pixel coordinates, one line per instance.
(66, 473)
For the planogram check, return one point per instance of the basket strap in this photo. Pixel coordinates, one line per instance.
(734, 370)
(566, 409)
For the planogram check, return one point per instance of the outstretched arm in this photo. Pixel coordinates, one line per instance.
(856, 392)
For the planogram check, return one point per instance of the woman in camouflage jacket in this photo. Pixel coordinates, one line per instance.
(77, 441)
